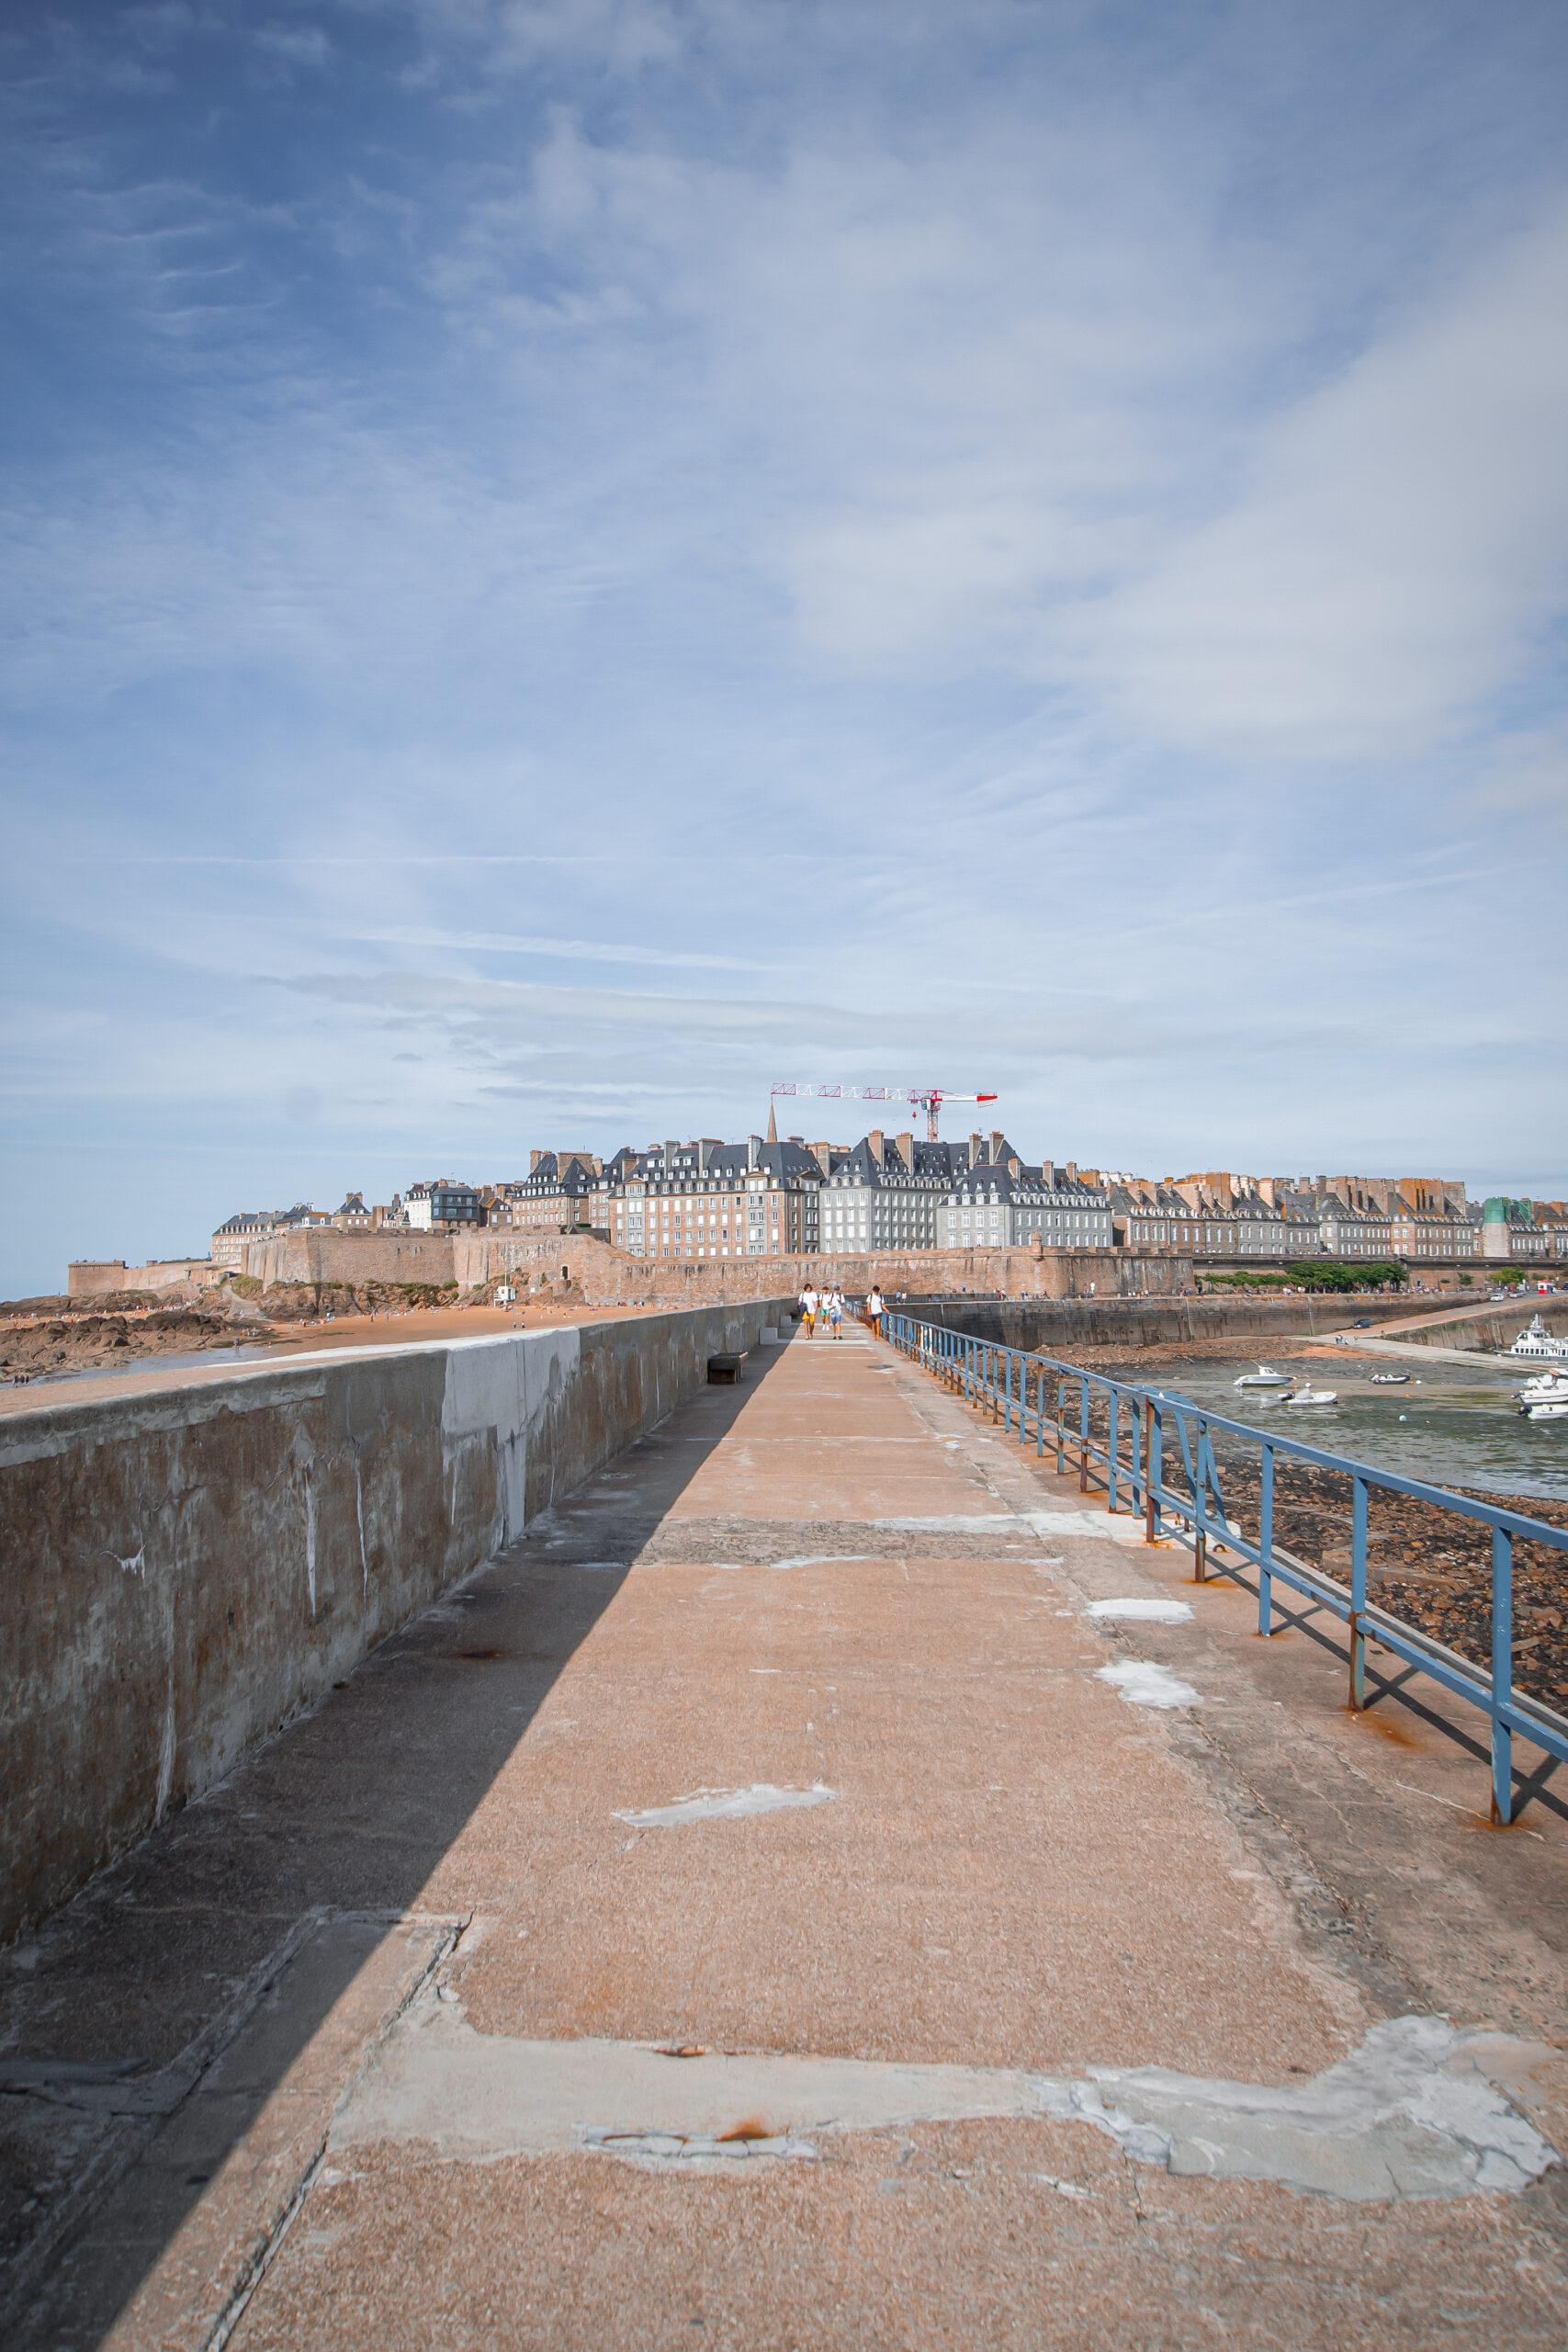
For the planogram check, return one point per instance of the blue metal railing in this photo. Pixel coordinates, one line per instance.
(1125, 1453)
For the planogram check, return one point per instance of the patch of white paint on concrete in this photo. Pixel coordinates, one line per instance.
(1154, 1611)
(1144, 1684)
(136, 1566)
(695, 2151)
(1415, 2111)
(1048, 1525)
(1411, 2113)
(727, 1804)
(816, 1559)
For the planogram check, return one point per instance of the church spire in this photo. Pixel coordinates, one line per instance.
(772, 1125)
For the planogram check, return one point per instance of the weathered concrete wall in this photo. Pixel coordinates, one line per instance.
(1494, 1334)
(186, 1569)
(1056, 1327)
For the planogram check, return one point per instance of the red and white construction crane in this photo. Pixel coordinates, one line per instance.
(930, 1097)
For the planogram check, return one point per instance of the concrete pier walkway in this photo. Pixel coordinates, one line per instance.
(751, 1911)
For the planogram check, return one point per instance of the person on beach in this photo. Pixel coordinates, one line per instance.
(809, 1309)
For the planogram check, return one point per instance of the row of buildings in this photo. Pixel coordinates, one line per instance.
(773, 1197)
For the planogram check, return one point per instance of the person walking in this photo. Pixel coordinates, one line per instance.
(836, 1313)
(809, 1304)
(874, 1308)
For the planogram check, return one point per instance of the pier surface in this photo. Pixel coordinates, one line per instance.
(716, 1921)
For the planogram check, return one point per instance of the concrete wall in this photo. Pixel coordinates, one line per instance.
(1054, 1328)
(1494, 1334)
(187, 1568)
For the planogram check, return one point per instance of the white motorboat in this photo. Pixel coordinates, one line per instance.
(1546, 1387)
(1264, 1377)
(1538, 1342)
(1390, 1380)
(1555, 1410)
(1309, 1396)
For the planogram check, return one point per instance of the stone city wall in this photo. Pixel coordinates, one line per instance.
(189, 1567)
(96, 1277)
(326, 1255)
(608, 1277)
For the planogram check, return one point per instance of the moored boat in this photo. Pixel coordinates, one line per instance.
(1390, 1380)
(1537, 1341)
(1311, 1395)
(1264, 1377)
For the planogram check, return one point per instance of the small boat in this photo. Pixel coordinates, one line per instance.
(1309, 1396)
(1546, 1384)
(1390, 1380)
(1538, 1342)
(1555, 1410)
(1264, 1377)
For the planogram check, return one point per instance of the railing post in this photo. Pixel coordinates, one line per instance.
(1135, 1453)
(1266, 1546)
(1199, 1510)
(1502, 1675)
(1039, 1411)
(1083, 1433)
(1153, 1451)
(1358, 1594)
(1112, 1443)
(1007, 1355)
(1061, 1431)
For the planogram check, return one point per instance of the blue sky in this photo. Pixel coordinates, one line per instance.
(567, 561)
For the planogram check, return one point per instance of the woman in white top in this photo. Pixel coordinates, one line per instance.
(809, 1304)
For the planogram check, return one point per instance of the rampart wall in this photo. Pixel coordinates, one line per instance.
(189, 1567)
(608, 1277)
(96, 1277)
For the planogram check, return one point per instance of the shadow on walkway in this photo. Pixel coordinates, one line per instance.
(350, 1810)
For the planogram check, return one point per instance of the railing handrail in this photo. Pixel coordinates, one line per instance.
(982, 1363)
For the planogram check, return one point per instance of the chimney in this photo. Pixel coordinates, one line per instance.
(753, 1151)
(1014, 1166)
(822, 1153)
(977, 1149)
(1072, 1171)
(670, 1147)
(703, 1147)
(1048, 1174)
(905, 1145)
(533, 1159)
(874, 1138)
(997, 1143)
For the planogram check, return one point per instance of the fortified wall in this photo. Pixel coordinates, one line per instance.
(608, 1277)
(98, 1277)
(189, 1567)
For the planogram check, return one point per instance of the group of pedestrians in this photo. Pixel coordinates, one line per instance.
(827, 1307)
(822, 1306)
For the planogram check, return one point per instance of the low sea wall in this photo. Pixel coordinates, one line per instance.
(1495, 1334)
(1054, 1327)
(187, 1568)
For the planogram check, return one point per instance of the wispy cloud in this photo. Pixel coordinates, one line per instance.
(588, 951)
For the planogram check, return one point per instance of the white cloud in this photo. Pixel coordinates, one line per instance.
(1400, 546)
